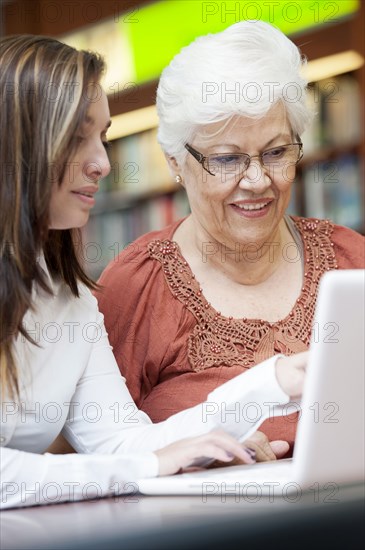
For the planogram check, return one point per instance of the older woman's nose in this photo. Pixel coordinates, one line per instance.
(256, 178)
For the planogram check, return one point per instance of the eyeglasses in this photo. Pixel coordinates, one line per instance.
(237, 163)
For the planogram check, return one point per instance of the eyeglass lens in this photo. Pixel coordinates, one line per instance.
(278, 156)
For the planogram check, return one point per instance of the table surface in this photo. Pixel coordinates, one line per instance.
(135, 519)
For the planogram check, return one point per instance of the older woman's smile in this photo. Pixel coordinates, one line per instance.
(255, 208)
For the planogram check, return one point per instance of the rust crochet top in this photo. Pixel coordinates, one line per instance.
(172, 346)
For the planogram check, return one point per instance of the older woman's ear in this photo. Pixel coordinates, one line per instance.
(175, 169)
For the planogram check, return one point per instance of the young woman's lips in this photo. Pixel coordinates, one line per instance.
(86, 195)
(252, 209)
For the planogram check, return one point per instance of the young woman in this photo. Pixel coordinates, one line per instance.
(58, 372)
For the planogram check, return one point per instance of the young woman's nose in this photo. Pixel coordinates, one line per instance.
(99, 167)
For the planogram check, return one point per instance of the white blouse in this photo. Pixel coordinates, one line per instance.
(70, 382)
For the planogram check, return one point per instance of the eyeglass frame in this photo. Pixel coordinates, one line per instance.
(202, 158)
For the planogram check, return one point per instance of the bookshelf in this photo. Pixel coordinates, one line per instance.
(329, 181)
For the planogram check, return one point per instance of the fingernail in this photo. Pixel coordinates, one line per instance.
(229, 455)
(250, 452)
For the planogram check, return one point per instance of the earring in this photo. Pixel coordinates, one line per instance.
(178, 179)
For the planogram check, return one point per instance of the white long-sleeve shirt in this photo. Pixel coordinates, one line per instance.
(70, 382)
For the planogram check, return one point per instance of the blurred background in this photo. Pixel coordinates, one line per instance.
(139, 38)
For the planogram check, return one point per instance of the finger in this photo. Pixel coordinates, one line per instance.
(279, 448)
(229, 460)
(263, 450)
(259, 442)
(207, 451)
(235, 462)
(258, 438)
(231, 446)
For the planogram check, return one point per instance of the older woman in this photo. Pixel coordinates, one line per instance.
(215, 294)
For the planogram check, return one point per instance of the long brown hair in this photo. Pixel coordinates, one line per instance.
(44, 100)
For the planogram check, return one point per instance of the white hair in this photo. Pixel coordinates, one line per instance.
(243, 70)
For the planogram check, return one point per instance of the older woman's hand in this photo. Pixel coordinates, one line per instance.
(290, 373)
(262, 449)
(266, 450)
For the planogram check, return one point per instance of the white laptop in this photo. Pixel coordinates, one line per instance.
(329, 446)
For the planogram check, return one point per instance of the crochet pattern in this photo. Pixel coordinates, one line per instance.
(217, 340)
